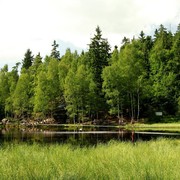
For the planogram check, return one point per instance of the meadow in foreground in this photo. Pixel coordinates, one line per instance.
(158, 159)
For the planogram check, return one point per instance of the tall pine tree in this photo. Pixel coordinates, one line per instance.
(99, 54)
(54, 52)
(28, 59)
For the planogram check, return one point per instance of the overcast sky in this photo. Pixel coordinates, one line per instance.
(35, 24)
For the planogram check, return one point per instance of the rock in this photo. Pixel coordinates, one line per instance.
(5, 121)
(49, 121)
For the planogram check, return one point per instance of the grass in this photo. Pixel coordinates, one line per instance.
(116, 160)
(173, 127)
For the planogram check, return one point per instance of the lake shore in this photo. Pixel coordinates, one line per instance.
(174, 126)
(129, 126)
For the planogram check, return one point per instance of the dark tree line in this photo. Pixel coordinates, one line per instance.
(132, 82)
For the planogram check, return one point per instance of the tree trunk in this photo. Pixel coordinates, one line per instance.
(132, 108)
(97, 115)
(74, 118)
(118, 110)
(122, 113)
(138, 107)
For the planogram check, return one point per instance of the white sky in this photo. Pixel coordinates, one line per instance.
(35, 24)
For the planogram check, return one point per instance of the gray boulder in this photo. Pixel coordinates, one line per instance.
(5, 121)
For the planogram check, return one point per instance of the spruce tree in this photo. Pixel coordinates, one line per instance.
(37, 60)
(28, 59)
(54, 52)
(99, 55)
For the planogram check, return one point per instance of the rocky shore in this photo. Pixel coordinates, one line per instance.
(27, 122)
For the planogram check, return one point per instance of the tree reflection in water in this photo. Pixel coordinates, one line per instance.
(88, 135)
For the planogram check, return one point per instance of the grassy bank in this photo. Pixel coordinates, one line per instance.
(145, 160)
(155, 126)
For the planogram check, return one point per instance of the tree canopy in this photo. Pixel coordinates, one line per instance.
(131, 82)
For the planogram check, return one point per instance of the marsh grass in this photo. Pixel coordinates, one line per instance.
(158, 159)
(159, 125)
(171, 127)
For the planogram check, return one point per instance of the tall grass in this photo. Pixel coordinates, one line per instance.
(158, 159)
(173, 127)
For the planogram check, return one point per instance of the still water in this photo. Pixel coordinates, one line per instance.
(78, 135)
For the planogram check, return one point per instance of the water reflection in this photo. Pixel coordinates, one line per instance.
(77, 136)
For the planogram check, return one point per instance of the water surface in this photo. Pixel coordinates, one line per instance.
(78, 135)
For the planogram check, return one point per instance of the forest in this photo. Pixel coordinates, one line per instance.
(129, 82)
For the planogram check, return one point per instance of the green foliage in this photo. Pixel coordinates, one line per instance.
(47, 91)
(37, 61)
(175, 66)
(64, 67)
(115, 56)
(12, 81)
(99, 54)
(41, 95)
(162, 75)
(123, 80)
(134, 82)
(4, 89)
(78, 90)
(22, 95)
(55, 53)
(28, 59)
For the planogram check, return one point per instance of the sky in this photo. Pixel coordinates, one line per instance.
(35, 24)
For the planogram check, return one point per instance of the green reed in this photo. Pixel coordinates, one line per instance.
(159, 159)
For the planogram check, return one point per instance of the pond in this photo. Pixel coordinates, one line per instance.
(82, 135)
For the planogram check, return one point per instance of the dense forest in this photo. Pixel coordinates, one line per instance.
(131, 82)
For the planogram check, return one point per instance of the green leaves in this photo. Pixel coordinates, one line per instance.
(79, 91)
(28, 59)
(55, 53)
(47, 91)
(21, 97)
(140, 78)
(99, 54)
